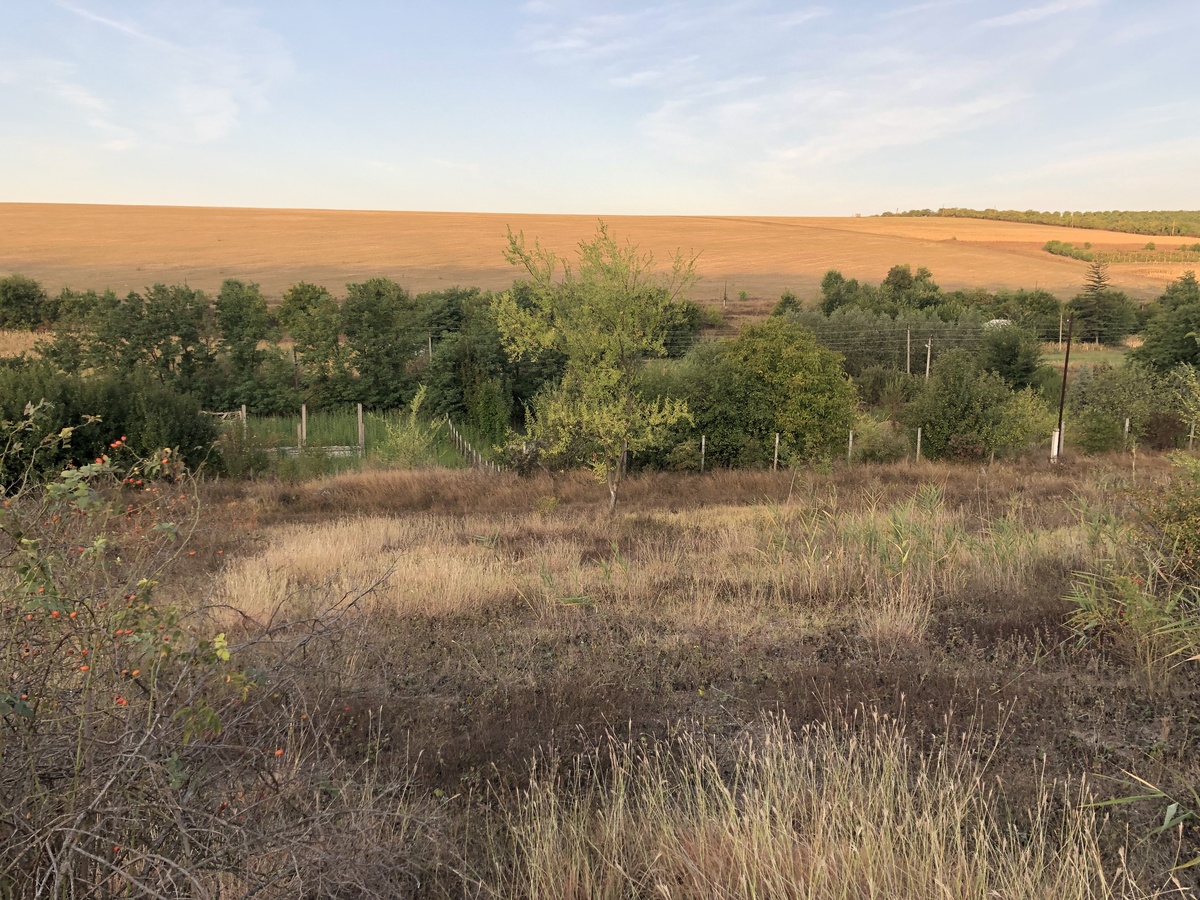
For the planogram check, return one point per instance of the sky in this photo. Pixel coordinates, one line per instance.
(604, 107)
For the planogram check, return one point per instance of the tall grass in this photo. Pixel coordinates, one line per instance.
(844, 809)
(15, 343)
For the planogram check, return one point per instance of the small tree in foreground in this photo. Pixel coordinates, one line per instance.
(606, 315)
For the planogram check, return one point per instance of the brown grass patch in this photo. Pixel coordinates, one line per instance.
(519, 621)
(839, 810)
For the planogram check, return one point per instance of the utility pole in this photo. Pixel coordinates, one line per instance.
(928, 356)
(1062, 400)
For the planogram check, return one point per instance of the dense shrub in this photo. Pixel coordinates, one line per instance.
(146, 413)
(23, 303)
(967, 413)
(1102, 397)
(774, 378)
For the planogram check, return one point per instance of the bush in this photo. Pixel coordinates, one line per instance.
(23, 303)
(146, 413)
(788, 303)
(1013, 353)
(966, 413)
(1101, 398)
(772, 378)
(880, 442)
(1173, 518)
(148, 749)
(712, 316)
(411, 442)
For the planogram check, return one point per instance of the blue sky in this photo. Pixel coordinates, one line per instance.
(558, 106)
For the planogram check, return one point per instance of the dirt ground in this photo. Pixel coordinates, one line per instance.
(129, 247)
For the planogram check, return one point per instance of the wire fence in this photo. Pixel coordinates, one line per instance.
(353, 435)
(350, 433)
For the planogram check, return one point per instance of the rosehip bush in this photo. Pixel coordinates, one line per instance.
(142, 751)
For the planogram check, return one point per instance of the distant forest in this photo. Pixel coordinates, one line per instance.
(1168, 223)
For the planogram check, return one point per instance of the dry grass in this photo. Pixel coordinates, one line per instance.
(836, 810)
(127, 248)
(884, 568)
(446, 628)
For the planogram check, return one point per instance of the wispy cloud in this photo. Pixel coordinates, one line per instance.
(801, 17)
(191, 71)
(594, 36)
(59, 82)
(1033, 14)
(915, 8)
(116, 25)
(732, 89)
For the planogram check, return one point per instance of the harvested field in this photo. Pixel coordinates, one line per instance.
(14, 343)
(128, 247)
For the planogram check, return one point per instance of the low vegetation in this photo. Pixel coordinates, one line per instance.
(1149, 254)
(861, 682)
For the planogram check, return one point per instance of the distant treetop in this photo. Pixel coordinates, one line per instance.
(1169, 223)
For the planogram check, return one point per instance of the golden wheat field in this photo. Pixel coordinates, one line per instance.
(129, 247)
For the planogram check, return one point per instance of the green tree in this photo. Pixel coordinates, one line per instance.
(773, 378)
(1012, 352)
(1036, 309)
(23, 303)
(967, 413)
(242, 317)
(383, 339)
(468, 376)
(1101, 314)
(837, 292)
(313, 318)
(243, 320)
(905, 289)
(605, 315)
(168, 332)
(788, 303)
(1183, 291)
(1172, 337)
(176, 333)
(1103, 396)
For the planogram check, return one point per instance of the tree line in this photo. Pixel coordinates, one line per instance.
(597, 362)
(1168, 223)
